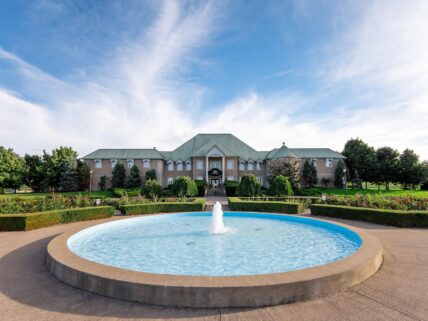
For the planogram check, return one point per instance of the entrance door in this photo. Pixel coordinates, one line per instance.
(215, 181)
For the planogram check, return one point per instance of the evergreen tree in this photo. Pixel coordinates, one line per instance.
(287, 169)
(134, 179)
(248, 186)
(103, 183)
(53, 165)
(118, 175)
(280, 186)
(69, 179)
(388, 165)
(184, 187)
(309, 174)
(339, 174)
(150, 174)
(411, 171)
(84, 176)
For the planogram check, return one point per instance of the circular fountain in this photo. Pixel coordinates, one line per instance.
(201, 259)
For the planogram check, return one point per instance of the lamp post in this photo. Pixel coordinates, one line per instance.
(90, 180)
(344, 182)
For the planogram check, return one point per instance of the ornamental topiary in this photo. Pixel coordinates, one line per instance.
(248, 186)
(184, 187)
(280, 186)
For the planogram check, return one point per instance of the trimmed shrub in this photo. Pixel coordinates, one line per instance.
(398, 218)
(184, 187)
(152, 189)
(201, 185)
(280, 186)
(131, 192)
(25, 222)
(163, 207)
(230, 187)
(248, 186)
(150, 174)
(236, 204)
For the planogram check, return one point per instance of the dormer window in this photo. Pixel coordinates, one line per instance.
(113, 163)
(242, 166)
(188, 165)
(250, 166)
(179, 166)
(98, 163)
(130, 163)
(170, 166)
(146, 163)
(328, 162)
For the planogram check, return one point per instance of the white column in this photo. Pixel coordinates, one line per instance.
(223, 168)
(206, 169)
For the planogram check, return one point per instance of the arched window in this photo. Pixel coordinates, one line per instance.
(146, 163)
(113, 163)
(98, 163)
(179, 166)
(250, 165)
(188, 165)
(170, 166)
(130, 163)
(242, 166)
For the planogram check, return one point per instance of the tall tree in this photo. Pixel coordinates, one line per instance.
(69, 179)
(12, 169)
(411, 171)
(284, 168)
(249, 185)
(361, 159)
(339, 174)
(84, 174)
(118, 175)
(309, 174)
(34, 175)
(54, 165)
(134, 179)
(388, 165)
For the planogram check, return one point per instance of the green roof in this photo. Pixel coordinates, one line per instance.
(202, 144)
(125, 154)
(316, 153)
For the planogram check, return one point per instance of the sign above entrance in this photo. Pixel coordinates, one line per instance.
(215, 172)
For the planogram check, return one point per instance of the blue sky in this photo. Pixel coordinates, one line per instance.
(98, 74)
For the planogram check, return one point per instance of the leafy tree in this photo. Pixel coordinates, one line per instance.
(184, 187)
(103, 183)
(134, 179)
(34, 175)
(12, 169)
(325, 181)
(411, 171)
(339, 173)
(69, 180)
(309, 174)
(152, 189)
(118, 175)
(360, 157)
(249, 186)
(54, 165)
(356, 180)
(280, 186)
(287, 169)
(388, 165)
(84, 176)
(150, 174)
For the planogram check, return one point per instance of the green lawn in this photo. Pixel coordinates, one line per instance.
(95, 194)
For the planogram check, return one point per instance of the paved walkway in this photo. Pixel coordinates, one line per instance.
(210, 201)
(399, 291)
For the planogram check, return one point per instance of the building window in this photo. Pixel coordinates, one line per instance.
(314, 162)
(259, 166)
(130, 163)
(242, 166)
(230, 164)
(146, 163)
(170, 166)
(113, 163)
(188, 166)
(250, 166)
(170, 180)
(199, 178)
(98, 163)
(328, 162)
(179, 166)
(199, 165)
(214, 164)
(231, 178)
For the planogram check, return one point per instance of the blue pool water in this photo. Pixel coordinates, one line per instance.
(255, 243)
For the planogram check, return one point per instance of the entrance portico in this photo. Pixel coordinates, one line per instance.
(215, 165)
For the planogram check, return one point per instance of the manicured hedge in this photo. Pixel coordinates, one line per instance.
(398, 218)
(236, 204)
(163, 207)
(25, 222)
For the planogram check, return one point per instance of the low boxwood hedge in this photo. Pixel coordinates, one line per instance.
(236, 204)
(398, 218)
(163, 207)
(30, 221)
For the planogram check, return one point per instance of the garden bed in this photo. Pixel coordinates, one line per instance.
(163, 207)
(398, 218)
(238, 204)
(30, 221)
